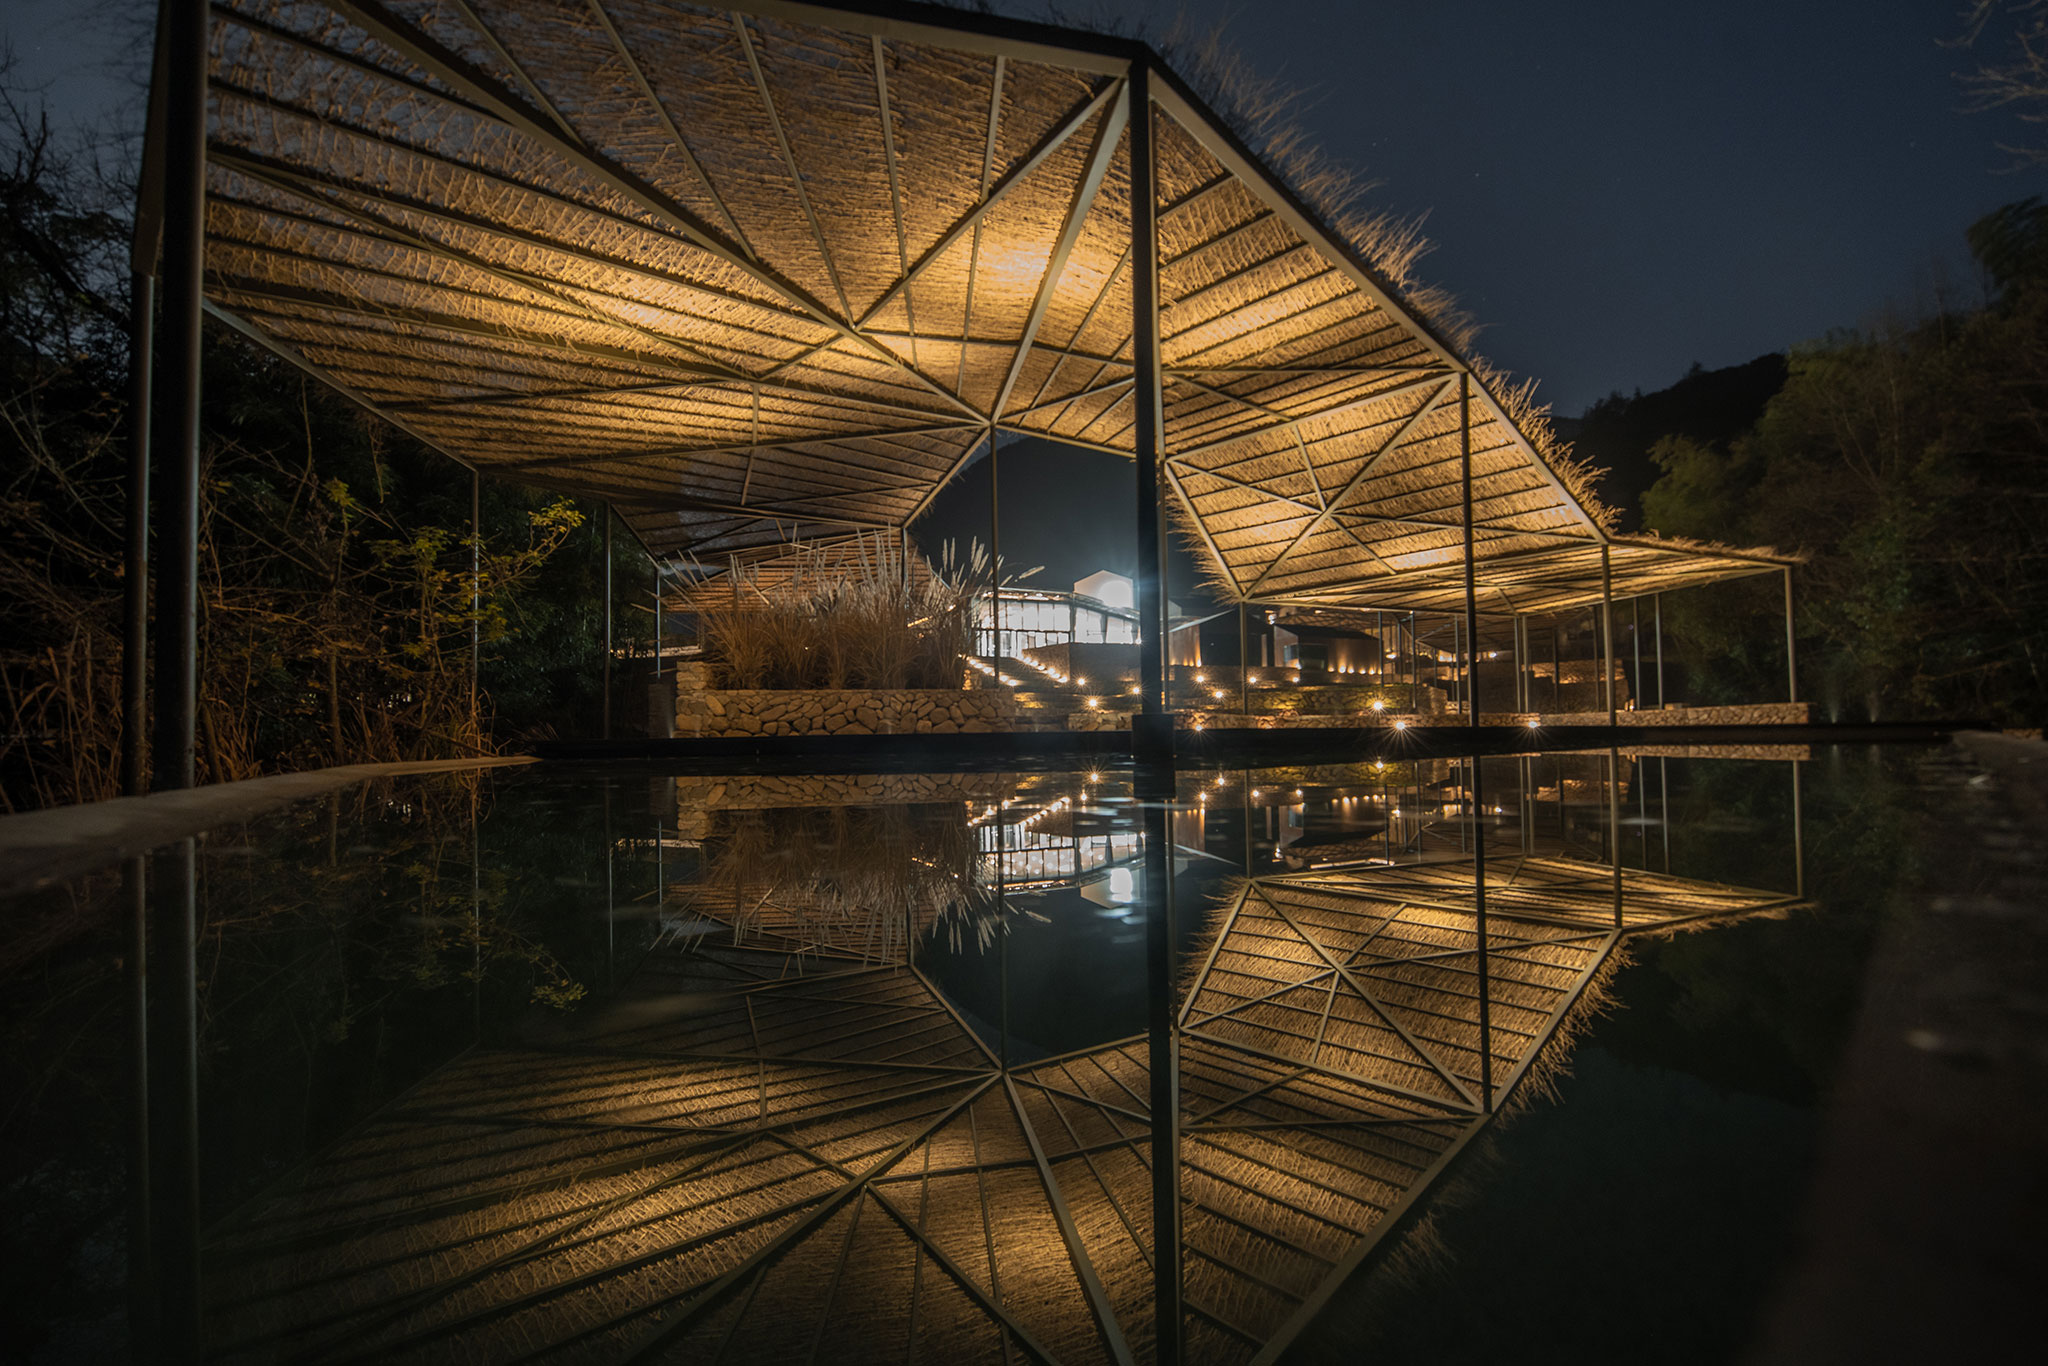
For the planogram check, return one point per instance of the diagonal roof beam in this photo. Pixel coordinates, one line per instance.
(632, 65)
(988, 163)
(1216, 554)
(895, 184)
(735, 448)
(966, 223)
(1099, 157)
(966, 458)
(1293, 423)
(796, 175)
(1351, 485)
(1200, 123)
(446, 66)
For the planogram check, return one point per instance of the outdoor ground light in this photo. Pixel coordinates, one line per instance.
(1378, 705)
(1400, 725)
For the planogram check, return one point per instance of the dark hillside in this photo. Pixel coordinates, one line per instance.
(1710, 406)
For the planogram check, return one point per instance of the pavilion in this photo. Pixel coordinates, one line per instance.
(774, 272)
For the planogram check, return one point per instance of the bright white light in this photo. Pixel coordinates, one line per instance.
(1094, 701)
(1217, 694)
(1201, 678)
(1533, 723)
(1121, 888)
(1400, 725)
(1378, 705)
(1080, 682)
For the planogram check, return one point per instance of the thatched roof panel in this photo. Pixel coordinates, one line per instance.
(783, 234)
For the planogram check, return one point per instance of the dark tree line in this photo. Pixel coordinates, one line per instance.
(336, 554)
(1908, 459)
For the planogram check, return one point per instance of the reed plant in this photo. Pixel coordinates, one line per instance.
(837, 622)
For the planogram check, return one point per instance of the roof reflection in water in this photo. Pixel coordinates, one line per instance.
(785, 1143)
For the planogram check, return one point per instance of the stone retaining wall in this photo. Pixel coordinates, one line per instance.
(855, 711)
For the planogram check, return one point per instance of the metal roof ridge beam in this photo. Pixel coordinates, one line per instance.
(960, 30)
(1201, 123)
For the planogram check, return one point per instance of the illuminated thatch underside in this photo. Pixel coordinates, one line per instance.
(764, 1158)
(775, 271)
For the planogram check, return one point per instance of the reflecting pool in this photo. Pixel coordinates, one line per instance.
(618, 1063)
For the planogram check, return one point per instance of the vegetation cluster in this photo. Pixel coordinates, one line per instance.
(827, 626)
(342, 589)
(1908, 459)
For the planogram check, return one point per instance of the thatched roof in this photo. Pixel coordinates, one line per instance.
(777, 270)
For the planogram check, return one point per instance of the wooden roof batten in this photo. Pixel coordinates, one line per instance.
(508, 230)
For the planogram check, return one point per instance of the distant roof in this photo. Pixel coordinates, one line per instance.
(775, 271)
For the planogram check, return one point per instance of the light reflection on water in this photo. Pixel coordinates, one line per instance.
(408, 934)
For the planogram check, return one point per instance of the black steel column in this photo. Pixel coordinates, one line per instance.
(1791, 645)
(607, 704)
(1607, 627)
(177, 577)
(1154, 781)
(1798, 837)
(1635, 631)
(1244, 662)
(1657, 624)
(1478, 792)
(174, 1023)
(1152, 728)
(995, 551)
(135, 584)
(476, 596)
(1614, 825)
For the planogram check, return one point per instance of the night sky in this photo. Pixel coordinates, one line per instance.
(1616, 190)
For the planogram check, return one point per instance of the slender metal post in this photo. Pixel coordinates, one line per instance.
(1614, 826)
(1635, 631)
(1607, 625)
(1002, 841)
(476, 594)
(1244, 661)
(607, 704)
(657, 621)
(1153, 728)
(135, 584)
(1798, 837)
(1664, 805)
(1791, 644)
(1556, 671)
(995, 545)
(1155, 790)
(141, 1242)
(611, 904)
(1657, 624)
(174, 1101)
